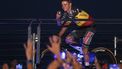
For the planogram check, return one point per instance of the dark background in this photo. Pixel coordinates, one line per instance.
(13, 33)
(47, 8)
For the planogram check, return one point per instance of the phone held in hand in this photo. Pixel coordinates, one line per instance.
(114, 66)
(19, 66)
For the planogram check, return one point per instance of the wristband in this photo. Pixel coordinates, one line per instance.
(29, 62)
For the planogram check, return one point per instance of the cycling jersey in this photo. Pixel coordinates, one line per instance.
(83, 29)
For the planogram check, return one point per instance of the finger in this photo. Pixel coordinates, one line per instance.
(74, 59)
(49, 48)
(29, 42)
(24, 46)
(50, 39)
(59, 39)
(69, 54)
(55, 39)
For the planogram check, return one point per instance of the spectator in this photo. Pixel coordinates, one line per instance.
(5, 66)
(29, 52)
(70, 61)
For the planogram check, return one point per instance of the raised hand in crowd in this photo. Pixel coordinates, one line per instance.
(5, 66)
(76, 64)
(72, 59)
(54, 44)
(54, 65)
(29, 49)
(29, 52)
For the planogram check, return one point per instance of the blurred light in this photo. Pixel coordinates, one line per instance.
(114, 66)
(92, 57)
(120, 61)
(19, 66)
(63, 55)
(80, 56)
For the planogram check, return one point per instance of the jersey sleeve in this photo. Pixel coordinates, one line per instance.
(84, 15)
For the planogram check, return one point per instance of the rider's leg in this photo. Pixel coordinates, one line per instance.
(86, 55)
(85, 45)
(97, 64)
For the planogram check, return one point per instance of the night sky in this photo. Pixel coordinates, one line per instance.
(48, 8)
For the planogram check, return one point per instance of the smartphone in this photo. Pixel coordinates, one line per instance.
(63, 55)
(19, 66)
(114, 66)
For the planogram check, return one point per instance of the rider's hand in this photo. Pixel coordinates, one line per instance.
(58, 15)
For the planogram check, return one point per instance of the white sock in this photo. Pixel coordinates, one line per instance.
(87, 64)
